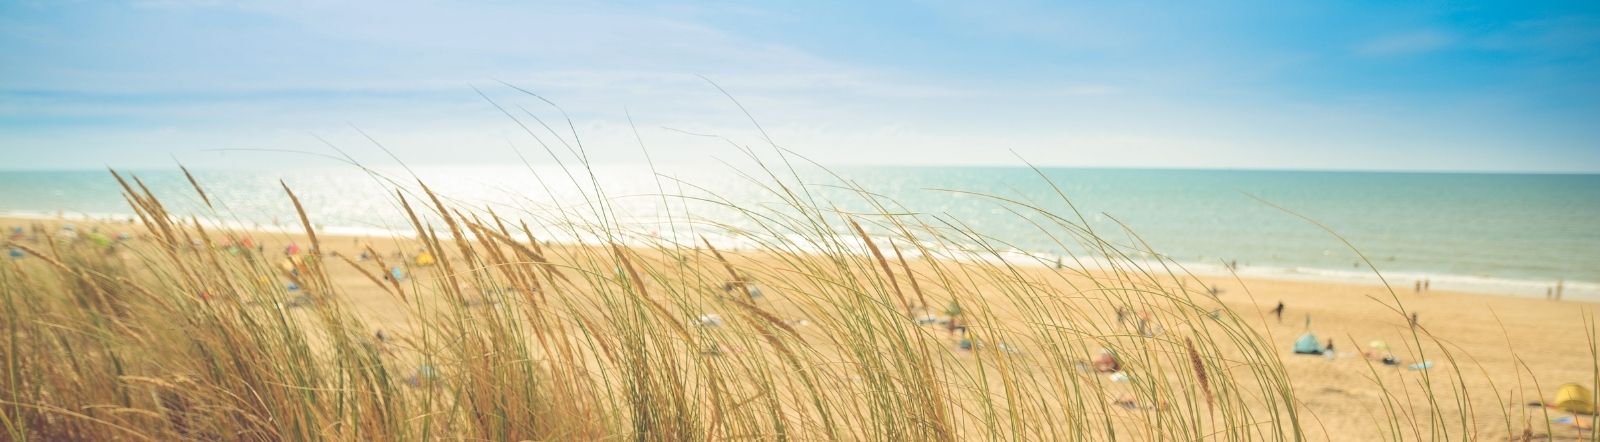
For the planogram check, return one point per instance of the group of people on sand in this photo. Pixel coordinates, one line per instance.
(1106, 362)
(1143, 322)
(38, 233)
(954, 322)
(1377, 351)
(1554, 293)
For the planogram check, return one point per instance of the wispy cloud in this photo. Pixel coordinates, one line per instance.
(949, 83)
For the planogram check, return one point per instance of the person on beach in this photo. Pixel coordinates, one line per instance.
(955, 323)
(1427, 285)
(1278, 311)
(750, 290)
(1144, 325)
(1379, 351)
(1413, 319)
(1106, 362)
(1418, 287)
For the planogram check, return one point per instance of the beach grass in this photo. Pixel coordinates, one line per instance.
(890, 324)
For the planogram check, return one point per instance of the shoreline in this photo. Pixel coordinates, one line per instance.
(1399, 281)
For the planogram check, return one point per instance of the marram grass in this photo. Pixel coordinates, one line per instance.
(179, 335)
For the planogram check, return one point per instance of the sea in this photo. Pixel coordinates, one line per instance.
(1495, 233)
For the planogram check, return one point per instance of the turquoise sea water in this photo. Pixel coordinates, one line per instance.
(1499, 233)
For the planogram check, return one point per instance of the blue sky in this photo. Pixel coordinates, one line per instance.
(1297, 85)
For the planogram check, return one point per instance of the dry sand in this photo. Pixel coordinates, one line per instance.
(1548, 337)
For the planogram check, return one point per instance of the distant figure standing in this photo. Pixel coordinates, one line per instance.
(1413, 319)
(1560, 286)
(1427, 285)
(1278, 311)
(1147, 326)
(1418, 287)
(1549, 293)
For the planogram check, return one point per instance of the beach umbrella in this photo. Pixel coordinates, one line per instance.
(292, 249)
(396, 273)
(15, 252)
(1573, 398)
(425, 259)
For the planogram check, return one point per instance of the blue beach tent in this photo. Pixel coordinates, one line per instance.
(1308, 345)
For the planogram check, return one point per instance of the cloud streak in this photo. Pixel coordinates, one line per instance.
(1129, 85)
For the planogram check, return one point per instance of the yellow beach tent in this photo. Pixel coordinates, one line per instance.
(1575, 399)
(425, 259)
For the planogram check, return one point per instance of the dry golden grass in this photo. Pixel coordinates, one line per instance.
(184, 335)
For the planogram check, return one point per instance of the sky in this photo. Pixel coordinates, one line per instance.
(1415, 86)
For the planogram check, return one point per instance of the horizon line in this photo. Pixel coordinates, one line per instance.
(174, 167)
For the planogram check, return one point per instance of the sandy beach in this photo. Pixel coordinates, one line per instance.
(1508, 350)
